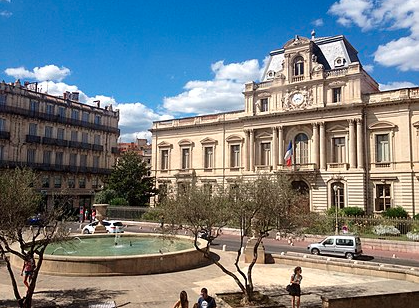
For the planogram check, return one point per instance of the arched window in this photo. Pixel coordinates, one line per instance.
(337, 195)
(298, 66)
(301, 149)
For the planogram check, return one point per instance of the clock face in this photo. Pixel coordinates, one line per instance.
(297, 98)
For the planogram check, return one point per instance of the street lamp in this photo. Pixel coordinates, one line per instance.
(336, 188)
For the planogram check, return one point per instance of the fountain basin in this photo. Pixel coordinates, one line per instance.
(138, 264)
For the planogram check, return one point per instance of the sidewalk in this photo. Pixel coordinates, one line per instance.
(162, 290)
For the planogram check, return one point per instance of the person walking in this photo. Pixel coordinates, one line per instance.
(183, 300)
(295, 281)
(206, 301)
(28, 268)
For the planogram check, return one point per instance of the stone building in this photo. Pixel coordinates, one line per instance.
(140, 147)
(71, 145)
(351, 144)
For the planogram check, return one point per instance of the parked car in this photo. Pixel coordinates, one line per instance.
(35, 220)
(348, 246)
(111, 226)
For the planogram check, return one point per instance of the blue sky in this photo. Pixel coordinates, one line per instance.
(156, 60)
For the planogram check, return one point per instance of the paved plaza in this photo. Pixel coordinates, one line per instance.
(162, 290)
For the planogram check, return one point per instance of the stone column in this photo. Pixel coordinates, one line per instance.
(281, 146)
(275, 148)
(322, 143)
(315, 145)
(246, 150)
(251, 151)
(359, 131)
(352, 144)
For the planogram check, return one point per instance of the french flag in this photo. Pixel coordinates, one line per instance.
(289, 154)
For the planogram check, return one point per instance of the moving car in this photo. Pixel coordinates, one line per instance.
(111, 226)
(348, 246)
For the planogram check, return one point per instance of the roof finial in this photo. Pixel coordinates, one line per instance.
(313, 34)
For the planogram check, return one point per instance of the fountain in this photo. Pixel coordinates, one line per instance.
(100, 215)
(128, 254)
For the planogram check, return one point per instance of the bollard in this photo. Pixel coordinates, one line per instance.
(394, 256)
(224, 248)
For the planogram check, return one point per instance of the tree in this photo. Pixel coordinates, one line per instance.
(255, 207)
(18, 202)
(130, 180)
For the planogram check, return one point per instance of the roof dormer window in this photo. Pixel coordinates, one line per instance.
(340, 61)
(298, 66)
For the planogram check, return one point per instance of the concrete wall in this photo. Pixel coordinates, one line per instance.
(397, 300)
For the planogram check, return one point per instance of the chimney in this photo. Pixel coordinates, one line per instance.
(98, 103)
(75, 96)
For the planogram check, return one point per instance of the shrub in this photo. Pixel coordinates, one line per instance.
(118, 202)
(413, 236)
(353, 211)
(385, 230)
(152, 215)
(395, 212)
(105, 196)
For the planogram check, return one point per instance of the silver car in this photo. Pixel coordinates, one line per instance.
(348, 246)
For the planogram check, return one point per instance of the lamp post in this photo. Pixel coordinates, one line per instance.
(336, 208)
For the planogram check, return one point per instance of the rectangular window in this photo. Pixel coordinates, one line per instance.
(47, 157)
(339, 150)
(48, 132)
(98, 119)
(45, 182)
(234, 156)
(59, 158)
(95, 182)
(62, 112)
(337, 95)
(33, 129)
(74, 136)
(83, 160)
(85, 138)
(264, 104)
(74, 114)
(82, 182)
(208, 189)
(60, 133)
(49, 109)
(2, 125)
(73, 159)
(97, 140)
(208, 157)
(383, 197)
(185, 159)
(71, 182)
(57, 181)
(34, 106)
(382, 148)
(85, 116)
(265, 153)
(95, 161)
(2, 99)
(1, 152)
(164, 160)
(31, 155)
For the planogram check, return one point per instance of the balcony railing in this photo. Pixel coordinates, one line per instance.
(342, 166)
(4, 135)
(33, 139)
(97, 147)
(56, 118)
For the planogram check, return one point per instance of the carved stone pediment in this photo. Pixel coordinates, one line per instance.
(382, 125)
(264, 95)
(297, 99)
(298, 40)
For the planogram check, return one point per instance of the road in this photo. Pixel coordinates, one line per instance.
(276, 247)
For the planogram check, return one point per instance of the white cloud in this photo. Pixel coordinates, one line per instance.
(44, 73)
(318, 22)
(396, 85)
(5, 1)
(223, 93)
(390, 15)
(368, 68)
(6, 13)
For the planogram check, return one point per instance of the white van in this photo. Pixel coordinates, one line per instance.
(348, 246)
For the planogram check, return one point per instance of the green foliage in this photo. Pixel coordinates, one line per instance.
(416, 216)
(395, 212)
(153, 214)
(118, 202)
(130, 179)
(353, 211)
(105, 196)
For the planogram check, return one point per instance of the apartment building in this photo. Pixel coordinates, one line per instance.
(71, 145)
(318, 117)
